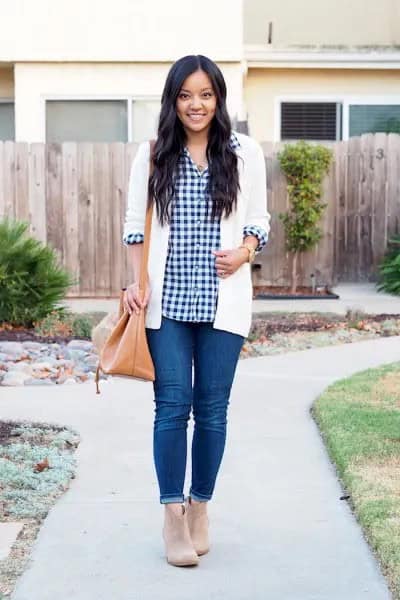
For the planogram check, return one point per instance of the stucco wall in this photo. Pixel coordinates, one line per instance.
(346, 22)
(124, 30)
(263, 86)
(35, 82)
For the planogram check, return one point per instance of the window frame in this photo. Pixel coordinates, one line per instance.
(129, 98)
(345, 101)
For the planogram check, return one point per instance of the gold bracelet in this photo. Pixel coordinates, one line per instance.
(251, 250)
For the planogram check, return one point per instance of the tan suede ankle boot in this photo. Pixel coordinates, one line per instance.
(198, 525)
(178, 544)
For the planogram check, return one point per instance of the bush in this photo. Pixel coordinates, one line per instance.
(61, 322)
(305, 166)
(31, 281)
(389, 268)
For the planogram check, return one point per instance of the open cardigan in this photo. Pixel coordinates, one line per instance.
(234, 303)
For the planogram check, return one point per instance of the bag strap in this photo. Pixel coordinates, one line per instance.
(147, 230)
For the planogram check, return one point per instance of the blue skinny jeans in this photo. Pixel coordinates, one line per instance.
(176, 348)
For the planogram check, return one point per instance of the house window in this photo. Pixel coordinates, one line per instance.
(86, 120)
(374, 118)
(310, 121)
(120, 120)
(7, 121)
(145, 115)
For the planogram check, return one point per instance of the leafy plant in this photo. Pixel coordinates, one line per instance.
(31, 281)
(389, 268)
(82, 326)
(304, 166)
(57, 323)
(62, 322)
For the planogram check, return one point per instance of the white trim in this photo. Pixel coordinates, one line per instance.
(345, 101)
(130, 98)
(348, 100)
(258, 56)
(297, 98)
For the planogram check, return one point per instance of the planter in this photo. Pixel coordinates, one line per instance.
(270, 292)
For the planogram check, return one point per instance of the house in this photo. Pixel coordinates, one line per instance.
(94, 71)
(321, 70)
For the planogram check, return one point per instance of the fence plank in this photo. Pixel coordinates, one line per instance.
(9, 179)
(21, 182)
(54, 199)
(70, 213)
(393, 185)
(86, 219)
(102, 219)
(37, 191)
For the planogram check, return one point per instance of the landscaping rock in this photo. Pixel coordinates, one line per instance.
(32, 345)
(83, 345)
(14, 378)
(22, 366)
(34, 381)
(11, 347)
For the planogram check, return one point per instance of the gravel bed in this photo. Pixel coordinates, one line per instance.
(75, 361)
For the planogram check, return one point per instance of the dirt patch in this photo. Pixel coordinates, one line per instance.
(301, 290)
(268, 324)
(382, 476)
(385, 393)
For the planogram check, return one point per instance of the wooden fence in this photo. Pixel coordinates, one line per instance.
(74, 196)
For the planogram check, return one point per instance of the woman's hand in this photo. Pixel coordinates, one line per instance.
(133, 297)
(228, 261)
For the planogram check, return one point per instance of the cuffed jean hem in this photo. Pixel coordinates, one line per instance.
(199, 497)
(168, 498)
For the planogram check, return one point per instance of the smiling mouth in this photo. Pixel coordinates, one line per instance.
(196, 117)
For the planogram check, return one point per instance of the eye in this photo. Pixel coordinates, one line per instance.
(183, 95)
(208, 94)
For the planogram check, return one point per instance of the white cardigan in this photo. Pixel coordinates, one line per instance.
(234, 304)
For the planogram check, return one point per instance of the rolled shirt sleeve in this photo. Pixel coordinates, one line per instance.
(259, 233)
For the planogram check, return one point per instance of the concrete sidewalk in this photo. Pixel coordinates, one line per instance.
(351, 295)
(278, 528)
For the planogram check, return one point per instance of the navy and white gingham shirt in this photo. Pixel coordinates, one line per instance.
(190, 288)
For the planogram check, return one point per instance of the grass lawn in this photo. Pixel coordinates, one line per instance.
(359, 419)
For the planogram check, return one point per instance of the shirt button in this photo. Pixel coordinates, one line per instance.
(198, 222)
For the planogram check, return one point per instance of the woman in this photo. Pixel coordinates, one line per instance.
(209, 191)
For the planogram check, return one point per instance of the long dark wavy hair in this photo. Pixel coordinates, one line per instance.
(171, 139)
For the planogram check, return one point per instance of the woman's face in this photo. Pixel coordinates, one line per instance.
(196, 102)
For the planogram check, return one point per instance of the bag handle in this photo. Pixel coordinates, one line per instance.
(147, 229)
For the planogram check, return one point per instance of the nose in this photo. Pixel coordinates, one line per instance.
(196, 103)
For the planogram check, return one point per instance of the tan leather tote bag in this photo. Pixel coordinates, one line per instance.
(126, 351)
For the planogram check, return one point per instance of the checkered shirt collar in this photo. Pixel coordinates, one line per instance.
(233, 142)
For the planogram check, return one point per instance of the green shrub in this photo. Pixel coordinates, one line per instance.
(82, 327)
(62, 322)
(58, 322)
(305, 166)
(31, 281)
(389, 268)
